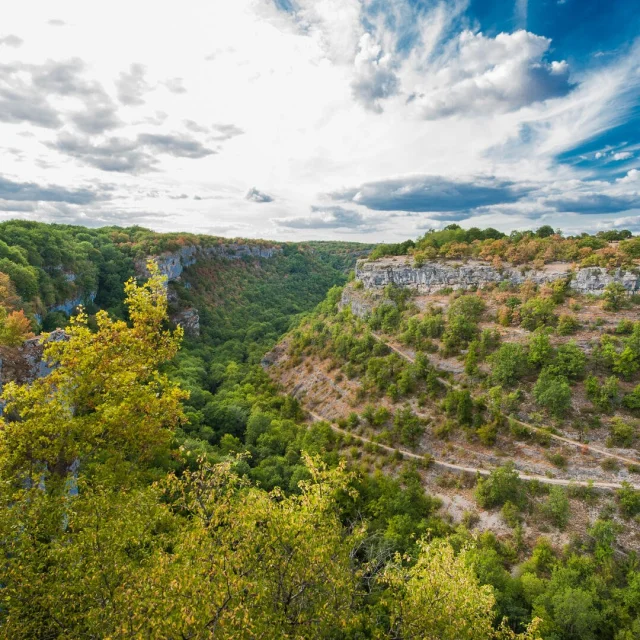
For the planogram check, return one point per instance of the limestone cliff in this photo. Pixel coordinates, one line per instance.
(173, 264)
(433, 276)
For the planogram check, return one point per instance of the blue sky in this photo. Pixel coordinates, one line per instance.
(308, 119)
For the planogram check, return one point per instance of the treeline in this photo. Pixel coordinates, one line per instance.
(605, 249)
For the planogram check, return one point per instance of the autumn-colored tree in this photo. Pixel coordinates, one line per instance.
(104, 394)
(15, 328)
(438, 597)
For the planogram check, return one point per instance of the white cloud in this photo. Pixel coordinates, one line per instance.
(223, 96)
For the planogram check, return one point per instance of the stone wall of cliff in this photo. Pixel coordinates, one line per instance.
(173, 264)
(433, 276)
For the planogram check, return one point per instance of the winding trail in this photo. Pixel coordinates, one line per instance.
(575, 443)
(458, 467)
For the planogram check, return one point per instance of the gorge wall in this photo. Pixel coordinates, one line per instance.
(173, 264)
(433, 276)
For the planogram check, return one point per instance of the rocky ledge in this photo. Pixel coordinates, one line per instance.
(173, 264)
(433, 276)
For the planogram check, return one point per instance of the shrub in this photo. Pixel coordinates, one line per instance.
(557, 460)
(629, 500)
(570, 361)
(553, 392)
(604, 396)
(567, 325)
(622, 433)
(488, 433)
(632, 400)
(508, 364)
(615, 297)
(540, 349)
(511, 514)
(503, 484)
(610, 464)
(537, 313)
(556, 507)
(458, 404)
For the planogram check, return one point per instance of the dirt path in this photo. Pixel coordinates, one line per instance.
(458, 467)
(575, 443)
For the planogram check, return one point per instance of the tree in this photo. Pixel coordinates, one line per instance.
(553, 392)
(501, 485)
(540, 349)
(104, 393)
(615, 297)
(556, 507)
(439, 597)
(509, 364)
(15, 328)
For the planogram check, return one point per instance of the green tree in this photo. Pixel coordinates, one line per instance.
(553, 393)
(501, 485)
(615, 297)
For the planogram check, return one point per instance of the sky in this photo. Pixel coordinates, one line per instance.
(362, 120)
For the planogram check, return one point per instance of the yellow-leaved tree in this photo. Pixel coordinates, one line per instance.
(104, 395)
(438, 597)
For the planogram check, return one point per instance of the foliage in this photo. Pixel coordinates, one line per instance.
(501, 485)
(15, 328)
(553, 392)
(556, 507)
(508, 364)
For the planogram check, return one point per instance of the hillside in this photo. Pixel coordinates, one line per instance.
(437, 434)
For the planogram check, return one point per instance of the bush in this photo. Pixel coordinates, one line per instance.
(540, 349)
(511, 514)
(537, 313)
(508, 364)
(458, 404)
(502, 485)
(567, 325)
(557, 460)
(570, 361)
(632, 400)
(556, 507)
(553, 392)
(629, 500)
(615, 297)
(622, 433)
(604, 396)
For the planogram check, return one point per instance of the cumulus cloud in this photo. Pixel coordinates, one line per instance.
(375, 78)
(175, 85)
(622, 155)
(594, 203)
(30, 191)
(129, 155)
(26, 89)
(478, 75)
(226, 131)
(132, 85)
(329, 218)
(254, 195)
(11, 41)
(431, 194)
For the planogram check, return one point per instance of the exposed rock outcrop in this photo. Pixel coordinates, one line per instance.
(173, 264)
(25, 363)
(189, 320)
(433, 276)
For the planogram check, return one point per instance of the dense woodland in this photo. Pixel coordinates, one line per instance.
(162, 486)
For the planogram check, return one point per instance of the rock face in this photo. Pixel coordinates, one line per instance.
(433, 276)
(24, 364)
(173, 264)
(189, 320)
